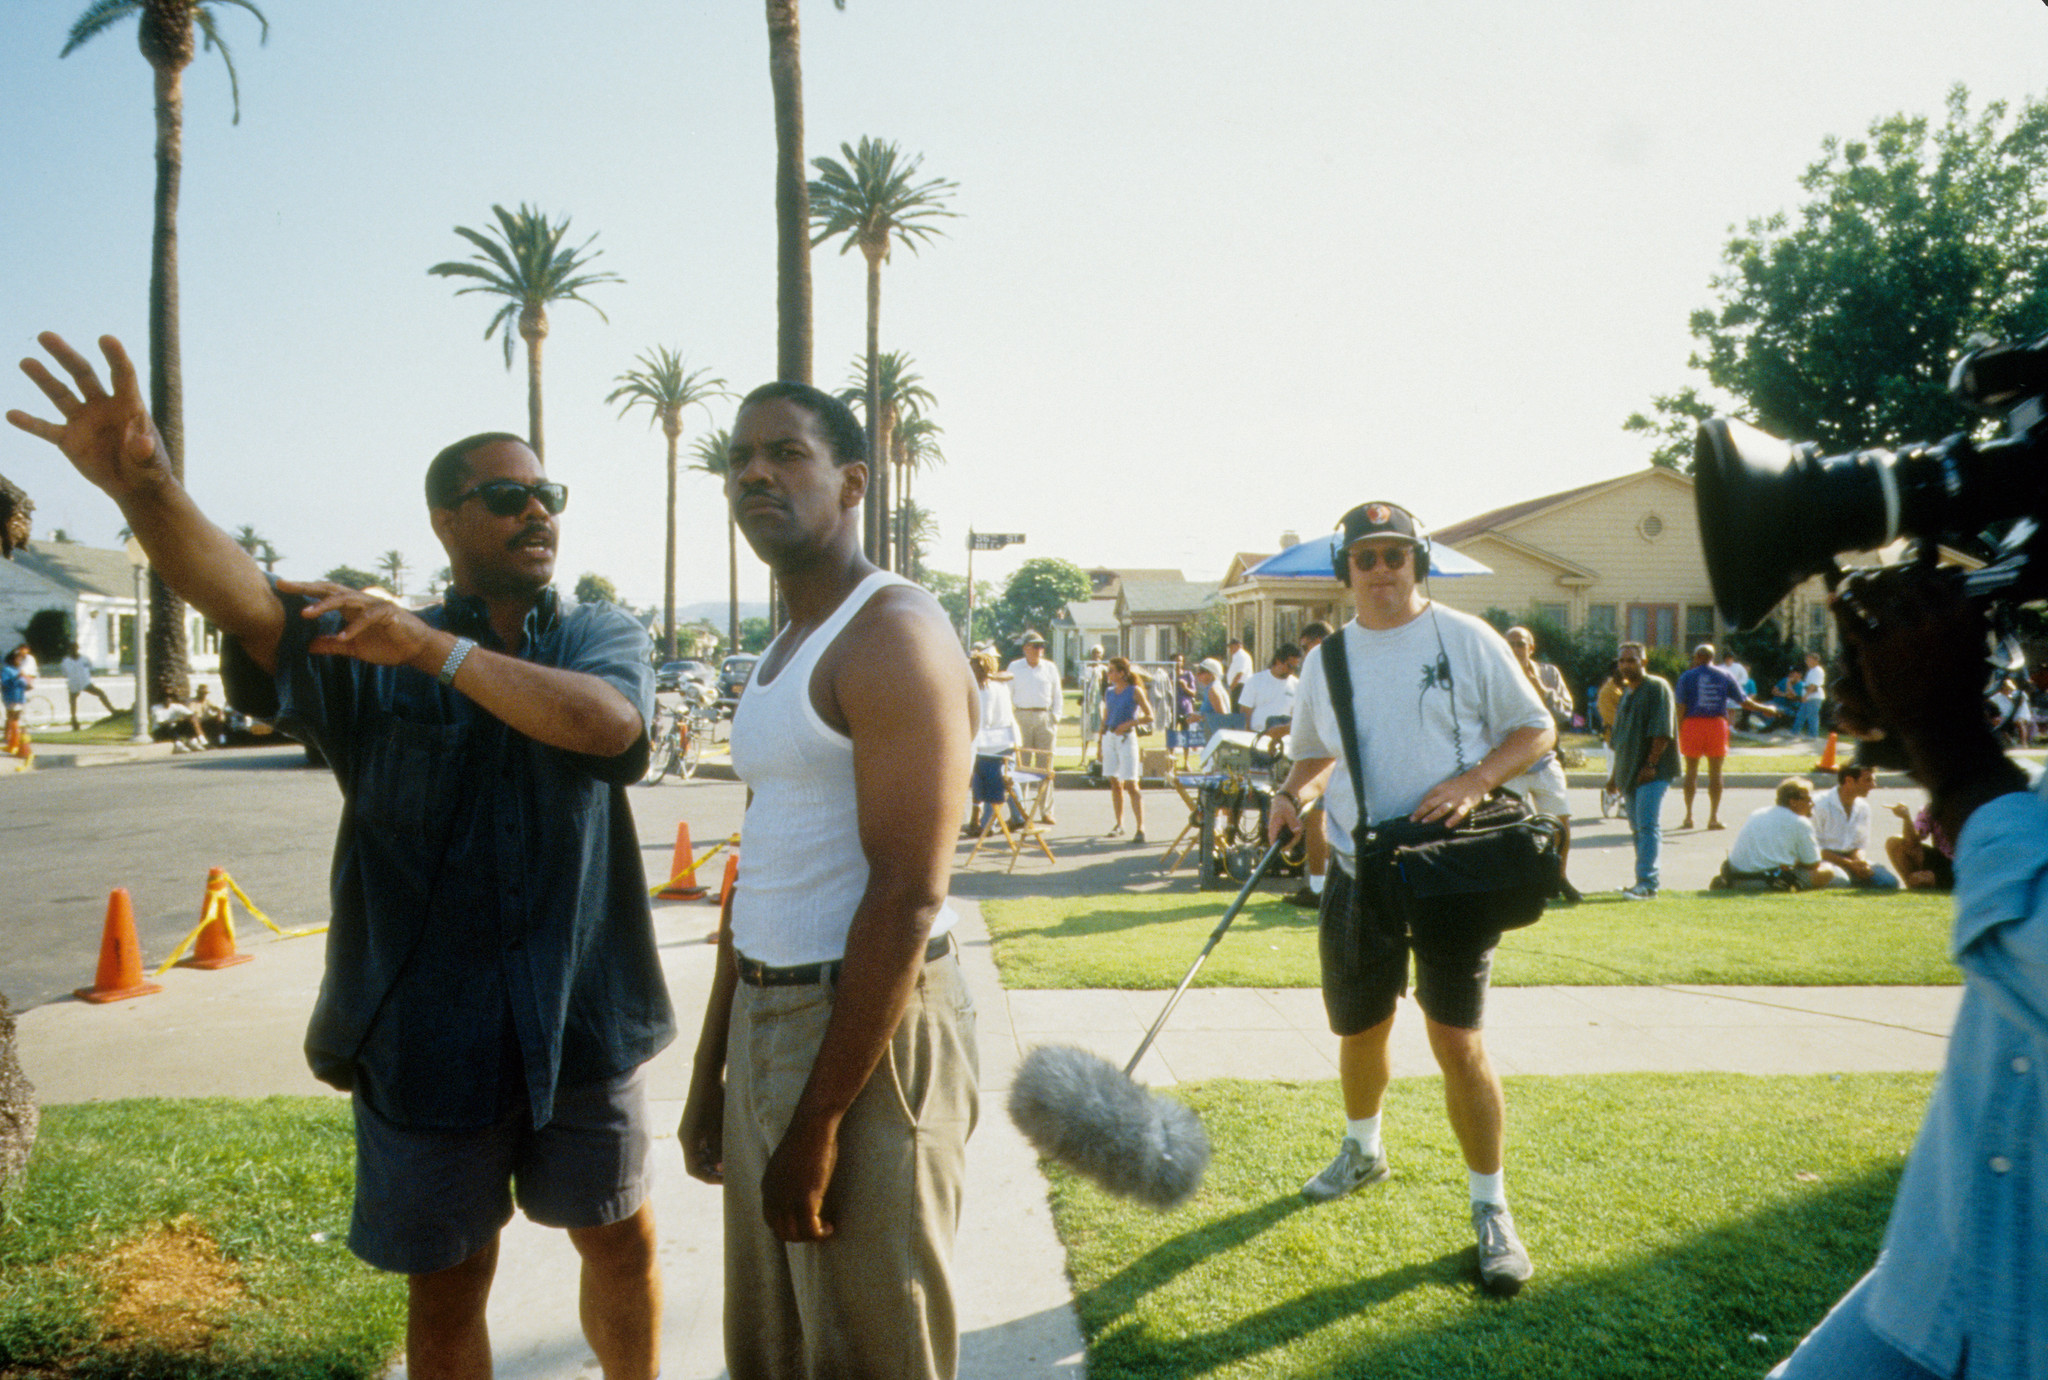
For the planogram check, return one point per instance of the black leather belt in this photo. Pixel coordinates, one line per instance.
(757, 974)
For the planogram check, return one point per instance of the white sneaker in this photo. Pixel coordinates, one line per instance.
(1639, 892)
(1351, 1169)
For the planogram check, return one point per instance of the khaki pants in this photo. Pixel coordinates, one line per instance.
(1037, 730)
(876, 1298)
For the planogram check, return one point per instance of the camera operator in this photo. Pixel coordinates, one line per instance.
(1960, 1283)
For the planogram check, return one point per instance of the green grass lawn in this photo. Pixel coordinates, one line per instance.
(263, 1186)
(1831, 938)
(117, 727)
(1680, 1226)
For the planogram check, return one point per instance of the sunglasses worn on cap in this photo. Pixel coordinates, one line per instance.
(1366, 557)
(509, 497)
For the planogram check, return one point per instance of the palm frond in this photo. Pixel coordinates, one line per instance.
(210, 34)
(714, 453)
(99, 16)
(874, 199)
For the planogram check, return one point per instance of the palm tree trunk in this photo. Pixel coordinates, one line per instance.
(875, 507)
(533, 329)
(792, 198)
(170, 671)
(732, 576)
(668, 584)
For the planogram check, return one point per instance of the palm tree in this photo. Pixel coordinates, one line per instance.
(920, 530)
(170, 34)
(666, 388)
(902, 394)
(393, 567)
(916, 440)
(527, 263)
(249, 539)
(714, 457)
(874, 200)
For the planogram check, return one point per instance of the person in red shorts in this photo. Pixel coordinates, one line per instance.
(1706, 695)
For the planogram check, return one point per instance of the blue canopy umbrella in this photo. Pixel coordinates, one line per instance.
(1313, 558)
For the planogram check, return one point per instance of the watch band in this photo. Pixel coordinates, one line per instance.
(456, 656)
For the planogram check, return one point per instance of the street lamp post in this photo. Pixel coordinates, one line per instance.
(981, 541)
(138, 562)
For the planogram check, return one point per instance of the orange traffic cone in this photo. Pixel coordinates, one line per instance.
(1827, 756)
(682, 869)
(732, 873)
(215, 947)
(120, 971)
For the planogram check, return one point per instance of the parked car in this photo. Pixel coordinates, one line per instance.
(732, 679)
(673, 673)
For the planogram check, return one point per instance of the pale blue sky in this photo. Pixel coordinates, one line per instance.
(1222, 269)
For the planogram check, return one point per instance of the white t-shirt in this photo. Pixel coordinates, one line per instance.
(1266, 697)
(1775, 836)
(1816, 684)
(1839, 830)
(1408, 740)
(1035, 687)
(77, 674)
(1239, 670)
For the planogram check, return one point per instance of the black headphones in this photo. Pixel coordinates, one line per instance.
(1340, 558)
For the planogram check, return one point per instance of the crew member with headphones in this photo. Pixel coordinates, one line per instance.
(1442, 715)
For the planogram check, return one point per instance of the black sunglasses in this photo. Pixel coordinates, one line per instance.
(1366, 557)
(509, 497)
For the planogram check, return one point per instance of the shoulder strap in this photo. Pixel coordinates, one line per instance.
(1338, 671)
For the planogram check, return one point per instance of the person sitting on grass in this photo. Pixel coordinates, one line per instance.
(1922, 855)
(1776, 849)
(1841, 823)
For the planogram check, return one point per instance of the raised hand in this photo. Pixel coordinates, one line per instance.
(108, 437)
(373, 629)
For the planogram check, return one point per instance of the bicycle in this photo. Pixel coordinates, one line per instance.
(40, 711)
(676, 743)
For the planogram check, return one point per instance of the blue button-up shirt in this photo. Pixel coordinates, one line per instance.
(491, 933)
(1965, 1262)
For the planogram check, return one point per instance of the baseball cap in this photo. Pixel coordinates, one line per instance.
(1379, 520)
(1032, 637)
(1212, 666)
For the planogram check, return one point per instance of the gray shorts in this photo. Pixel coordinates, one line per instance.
(426, 1200)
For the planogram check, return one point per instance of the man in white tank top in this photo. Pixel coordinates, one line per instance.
(834, 1085)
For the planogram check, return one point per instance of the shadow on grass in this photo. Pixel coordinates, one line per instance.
(1733, 1297)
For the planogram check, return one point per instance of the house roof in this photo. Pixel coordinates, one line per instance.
(1516, 513)
(83, 569)
(1157, 597)
(1106, 583)
(1087, 615)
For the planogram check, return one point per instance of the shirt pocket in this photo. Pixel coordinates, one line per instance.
(409, 778)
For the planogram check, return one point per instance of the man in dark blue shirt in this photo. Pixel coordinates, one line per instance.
(492, 987)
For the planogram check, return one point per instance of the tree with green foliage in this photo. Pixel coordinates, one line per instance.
(665, 388)
(714, 457)
(50, 634)
(350, 576)
(755, 635)
(1840, 324)
(1035, 595)
(875, 201)
(170, 33)
(593, 588)
(523, 260)
(951, 592)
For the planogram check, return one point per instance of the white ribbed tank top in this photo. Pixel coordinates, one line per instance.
(802, 871)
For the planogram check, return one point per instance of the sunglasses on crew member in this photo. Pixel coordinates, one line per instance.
(1366, 557)
(509, 497)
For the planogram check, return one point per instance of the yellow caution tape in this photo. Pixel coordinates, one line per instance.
(250, 906)
(706, 857)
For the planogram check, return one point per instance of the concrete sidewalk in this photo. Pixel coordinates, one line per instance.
(237, 1032)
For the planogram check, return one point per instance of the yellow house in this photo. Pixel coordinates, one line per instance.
(1619, 558)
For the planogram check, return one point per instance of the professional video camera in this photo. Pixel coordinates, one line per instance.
(1773, 514)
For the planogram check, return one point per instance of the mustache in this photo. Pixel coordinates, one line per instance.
(754, 491)
(532, 529)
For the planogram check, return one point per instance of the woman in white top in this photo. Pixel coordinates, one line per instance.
(993, 744)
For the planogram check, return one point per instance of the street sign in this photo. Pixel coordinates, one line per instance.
(993, 541)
